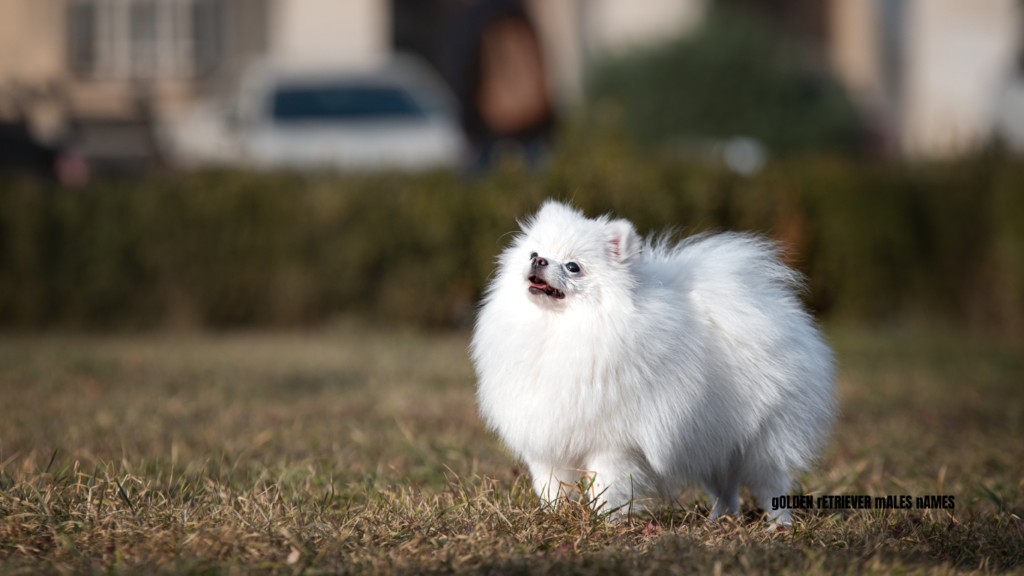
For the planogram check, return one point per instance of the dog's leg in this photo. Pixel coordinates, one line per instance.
(771, 485)
(726, 498)
(780, 517)
(618, 485)
(724, 489)
(552, 483)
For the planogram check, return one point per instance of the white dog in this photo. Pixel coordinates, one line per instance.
(639, 367)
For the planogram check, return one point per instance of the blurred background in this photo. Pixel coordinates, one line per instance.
(192, 164)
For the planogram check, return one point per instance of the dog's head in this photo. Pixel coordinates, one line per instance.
(563, 259)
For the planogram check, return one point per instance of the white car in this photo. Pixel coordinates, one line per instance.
(398, 116)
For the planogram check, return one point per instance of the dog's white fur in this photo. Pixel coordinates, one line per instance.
(663, 365)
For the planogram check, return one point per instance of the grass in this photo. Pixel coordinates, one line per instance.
(359, 450)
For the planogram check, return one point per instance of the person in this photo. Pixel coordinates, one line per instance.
(496, 68)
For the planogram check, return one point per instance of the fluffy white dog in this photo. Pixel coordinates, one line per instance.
(639, 367)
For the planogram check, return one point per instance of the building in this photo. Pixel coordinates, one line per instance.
(104, 70)
(100, 71)
(929, 72)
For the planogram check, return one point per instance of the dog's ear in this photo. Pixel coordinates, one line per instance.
(623, 241)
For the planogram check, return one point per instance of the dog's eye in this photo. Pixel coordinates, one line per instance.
(572, 267)
(533, 255)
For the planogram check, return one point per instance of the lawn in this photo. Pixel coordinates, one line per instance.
(358, 449)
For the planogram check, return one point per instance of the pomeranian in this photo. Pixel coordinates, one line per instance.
(627, 369)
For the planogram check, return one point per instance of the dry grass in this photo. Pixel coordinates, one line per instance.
(357, 450)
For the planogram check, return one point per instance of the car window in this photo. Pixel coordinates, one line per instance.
(342, 103)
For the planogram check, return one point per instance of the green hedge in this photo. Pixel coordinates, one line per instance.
(878, 242)
(737, 75)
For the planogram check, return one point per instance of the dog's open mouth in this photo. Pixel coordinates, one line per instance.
(539, 286)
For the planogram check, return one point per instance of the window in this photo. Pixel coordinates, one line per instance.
(206, 27)
(343, 103)
(144, 44)
(144, 39)
(82, 37)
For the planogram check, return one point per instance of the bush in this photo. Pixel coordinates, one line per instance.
(218, 249)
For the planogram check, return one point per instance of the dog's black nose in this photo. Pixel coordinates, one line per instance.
(539, 262)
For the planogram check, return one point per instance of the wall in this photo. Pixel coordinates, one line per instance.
(32, 45)
(330, 32)
(955, 58)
